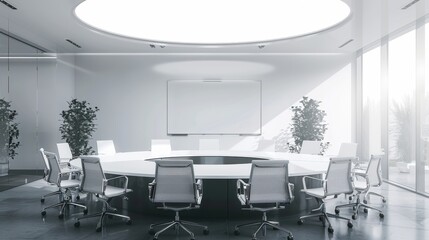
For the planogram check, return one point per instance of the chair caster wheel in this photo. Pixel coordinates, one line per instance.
(337, 211)
(384, 200)
(354, 216)
(43, 213)
(236, 232)
(77, 224)
(350, 198)
(300, 222)
(365, 201)
(365, 210)
(151, 231)
(381, 215)
(290, 237)
(129, 222)
(349, 225)
(61, 216)
(42, 200)
(206, 231)
(98, 229)
(330, 229)
(85, 211)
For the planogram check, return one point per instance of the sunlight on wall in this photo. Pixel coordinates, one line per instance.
(335, 94)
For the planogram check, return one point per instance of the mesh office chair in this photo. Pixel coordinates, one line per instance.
(45, 177)
(337, 181)
(310, 147)
(347, 150)
(371, 178)
(96, 183)
(268, 184)
(64, 153)
(55, 175)
(176, 189)
(106, 147)
(160, 146)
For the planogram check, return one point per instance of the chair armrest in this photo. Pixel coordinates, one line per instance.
(243, 190)
(304, 184)
(151, 188)
(199, 191)
(118, 177)
(291, 188)
(363, 175)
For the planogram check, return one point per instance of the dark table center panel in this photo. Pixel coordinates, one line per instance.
(214, 160)
(219, 199)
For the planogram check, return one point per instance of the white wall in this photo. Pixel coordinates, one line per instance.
(131, 92)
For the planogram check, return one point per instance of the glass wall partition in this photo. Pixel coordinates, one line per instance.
(371, 90)
(401, 104)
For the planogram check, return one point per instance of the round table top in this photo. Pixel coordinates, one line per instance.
(137, 164)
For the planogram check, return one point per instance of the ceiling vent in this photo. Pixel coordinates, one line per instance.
(8, 5)
(73, 43)
(344, 44)
(410, 4)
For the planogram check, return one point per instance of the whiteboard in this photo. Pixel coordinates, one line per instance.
(214, 107)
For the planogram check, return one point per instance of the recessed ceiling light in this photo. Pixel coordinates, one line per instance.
(212, 22)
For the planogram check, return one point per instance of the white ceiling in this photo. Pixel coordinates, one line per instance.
(48, 23)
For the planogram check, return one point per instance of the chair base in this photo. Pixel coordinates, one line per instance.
(177, 224)
(358, 204)
(65, 202)
(107, 211)
(263, 226)
(324, 216)
(42, 199)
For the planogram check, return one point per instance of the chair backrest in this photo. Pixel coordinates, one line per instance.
(160, 145)
(310, 147)
(93, 175)
(209, 144)
(64, 151)
(374, 170)
(175, 181)
(269, 182)
(106, 147)
(45, 161)
(347, 150)
(338, 178)
(54, 167)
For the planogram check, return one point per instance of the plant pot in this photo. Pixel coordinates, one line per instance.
(4, 166)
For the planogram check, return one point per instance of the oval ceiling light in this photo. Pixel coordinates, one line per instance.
(212, 22)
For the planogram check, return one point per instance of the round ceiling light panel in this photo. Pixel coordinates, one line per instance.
(212, 22)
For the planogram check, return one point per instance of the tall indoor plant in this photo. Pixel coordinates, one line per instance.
(78, 126)
(9, 134)
(308, 123)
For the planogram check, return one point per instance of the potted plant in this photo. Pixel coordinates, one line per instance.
(78, 126)
(9, 134)
(308, 123)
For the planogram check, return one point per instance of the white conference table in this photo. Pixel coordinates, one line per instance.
(139, 164)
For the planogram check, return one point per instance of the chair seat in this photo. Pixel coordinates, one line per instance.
(69, 183)
(315, 192)
(115, 191)
(360, 185)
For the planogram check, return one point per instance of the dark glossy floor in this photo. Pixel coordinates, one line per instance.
(406, 217)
